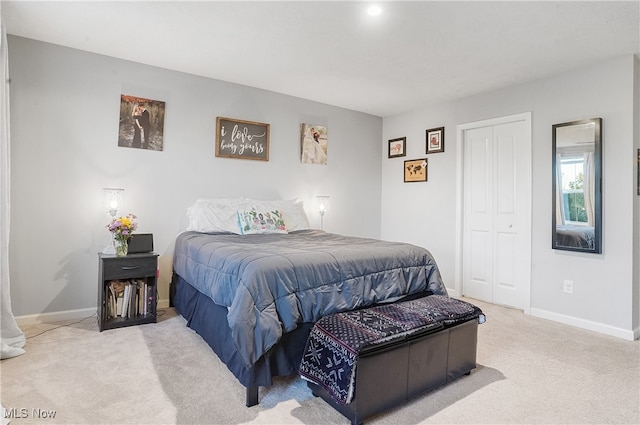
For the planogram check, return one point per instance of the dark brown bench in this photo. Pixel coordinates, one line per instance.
(389, 374)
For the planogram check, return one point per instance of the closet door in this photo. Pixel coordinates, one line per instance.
(478, 214)
(496, 236)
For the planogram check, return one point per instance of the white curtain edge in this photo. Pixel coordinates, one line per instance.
(12, 339)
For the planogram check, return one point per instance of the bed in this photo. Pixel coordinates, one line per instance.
(575, 236)
(254, 297)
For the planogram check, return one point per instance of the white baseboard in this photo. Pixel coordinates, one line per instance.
(629, 335)
(453, 293)
(67, 315)
(58, 316)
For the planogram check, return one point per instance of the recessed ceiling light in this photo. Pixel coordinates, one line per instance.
(374, 10)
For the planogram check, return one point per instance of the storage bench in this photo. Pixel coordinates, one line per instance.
(393, 369)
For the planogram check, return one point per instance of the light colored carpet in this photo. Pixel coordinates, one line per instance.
(530, 371)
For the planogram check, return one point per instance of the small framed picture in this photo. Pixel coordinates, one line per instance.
(415, 170)
(435, 140)
(398, 147)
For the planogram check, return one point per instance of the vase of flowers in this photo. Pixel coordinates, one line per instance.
(122, 247)
(122, 229)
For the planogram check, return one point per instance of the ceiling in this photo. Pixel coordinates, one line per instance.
(414, 54)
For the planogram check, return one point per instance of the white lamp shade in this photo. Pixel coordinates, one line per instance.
(323, 204)
(112, 199)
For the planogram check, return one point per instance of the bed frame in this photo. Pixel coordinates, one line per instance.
(205, 317)
(209, 320)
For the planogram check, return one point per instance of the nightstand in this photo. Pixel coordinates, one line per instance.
(127, 290)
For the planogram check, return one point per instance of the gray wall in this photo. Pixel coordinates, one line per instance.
(606, 289)
(64, 125)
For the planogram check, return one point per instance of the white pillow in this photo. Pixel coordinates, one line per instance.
(256, 221)
(221, 215)
(216, 215)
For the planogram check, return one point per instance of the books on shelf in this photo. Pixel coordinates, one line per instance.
(128, 298)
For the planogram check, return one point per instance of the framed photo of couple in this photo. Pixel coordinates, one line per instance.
(141, 123)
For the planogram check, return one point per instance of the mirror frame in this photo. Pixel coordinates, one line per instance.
(597, 246)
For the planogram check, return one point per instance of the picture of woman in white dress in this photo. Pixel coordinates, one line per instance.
(313, 144)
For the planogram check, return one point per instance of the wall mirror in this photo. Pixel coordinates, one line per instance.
(577, 182)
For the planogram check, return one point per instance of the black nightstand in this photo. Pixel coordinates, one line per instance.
(127, 290)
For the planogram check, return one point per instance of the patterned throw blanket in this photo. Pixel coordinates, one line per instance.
(336, 340)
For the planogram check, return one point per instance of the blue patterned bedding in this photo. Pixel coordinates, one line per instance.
(271, 283)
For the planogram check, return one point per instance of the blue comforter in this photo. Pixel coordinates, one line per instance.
(271, 283)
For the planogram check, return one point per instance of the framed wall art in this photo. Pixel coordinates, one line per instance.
(242, 139)
(313, 144)
(415, 170)
(435, 140)
(141, 123)
(397, 147)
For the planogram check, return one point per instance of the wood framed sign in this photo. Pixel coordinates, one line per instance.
(242, 139)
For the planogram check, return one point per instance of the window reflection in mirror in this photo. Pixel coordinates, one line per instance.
(577, 170)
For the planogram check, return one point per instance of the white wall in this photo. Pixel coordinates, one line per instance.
(605, 294)
(64, 125)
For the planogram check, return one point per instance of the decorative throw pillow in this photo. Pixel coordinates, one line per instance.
(295, 218)
(260, 222)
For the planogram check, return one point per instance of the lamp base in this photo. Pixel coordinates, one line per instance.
(110, 249)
